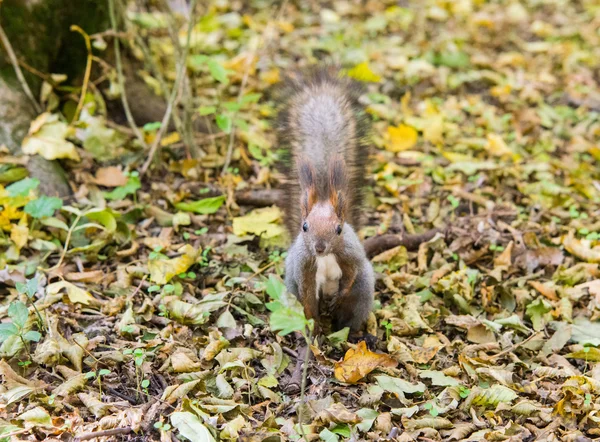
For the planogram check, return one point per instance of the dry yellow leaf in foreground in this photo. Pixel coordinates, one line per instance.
(401, 138)
(359, 362)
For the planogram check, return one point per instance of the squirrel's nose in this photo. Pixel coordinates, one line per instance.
(320, 247)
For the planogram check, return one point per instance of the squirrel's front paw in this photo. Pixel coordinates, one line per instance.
(369, 339)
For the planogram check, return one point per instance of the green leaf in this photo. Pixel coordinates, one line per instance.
(539, 313)
(250, 98)
(22, 188)
(7, 330)
(585, 332)
(368, 417)
(190, 426)
(19, 313)
(337, 338)
(28, 288)
(32, 335)
(217, 71)
(119, 193)
(43, 207)
(224, 122)
(275, 287)
(55, 222)
(149, 127)
(104, 217)
(204, 206)
(207, 110)
(287, 320)
(399, 386)
(342, 430)
(452, 60)
(438, 378)
(232, 106)
(328, 436)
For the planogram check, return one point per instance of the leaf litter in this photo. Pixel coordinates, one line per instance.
(155, 307)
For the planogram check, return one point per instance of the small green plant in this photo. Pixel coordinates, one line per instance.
(432, 407)
(162, 426)
(201, 231)
(156, 254)
(204, 260)
(130, 188)
(453, 201)
(18, 313)
(29, 289)
(388, 329)
(98, 376)
(139, 357)
(496, 248)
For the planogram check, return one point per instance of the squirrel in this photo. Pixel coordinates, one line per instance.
(322, 129)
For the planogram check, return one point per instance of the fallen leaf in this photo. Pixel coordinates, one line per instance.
(359, 362)
(48, 138)
(163, 270)
(401, 138)
(581, 248)
(75, 294)
(110, 177)
(263, 222)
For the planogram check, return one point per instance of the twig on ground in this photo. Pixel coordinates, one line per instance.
(103, 433)
(121, 79)
(174, 92)
(379, 244)
(18, 71)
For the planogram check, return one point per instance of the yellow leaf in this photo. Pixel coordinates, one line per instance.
(434, 129)
(172, 138)
(496, 146)
(359, 362)
(75, 294)
(163, 270)
(362, 72)
(582, 249)
(271, 76)
(261, 222)
(19, 233)
(401, 138)
(49, 139)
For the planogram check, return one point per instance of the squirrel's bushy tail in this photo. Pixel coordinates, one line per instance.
(319, 118)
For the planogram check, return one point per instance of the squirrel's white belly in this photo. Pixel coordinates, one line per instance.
(328, 275)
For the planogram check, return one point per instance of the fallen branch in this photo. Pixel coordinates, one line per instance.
(259, 198)
(103, 433)
(379, 244)
(88, 71)
(18, 71)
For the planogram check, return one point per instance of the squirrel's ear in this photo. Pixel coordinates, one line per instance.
(337, 185)
(306, 175)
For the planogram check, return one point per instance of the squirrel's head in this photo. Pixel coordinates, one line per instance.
(323, 218)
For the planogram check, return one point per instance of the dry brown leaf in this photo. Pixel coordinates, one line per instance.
(548, 290)
(359, 362)
(581, 248)
(110, 177)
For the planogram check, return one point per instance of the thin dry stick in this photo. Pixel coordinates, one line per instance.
(67, 241)
(88, 70)
(18, 71)
(120, 77)
(174, 92)
(245, 80)
(185, 127)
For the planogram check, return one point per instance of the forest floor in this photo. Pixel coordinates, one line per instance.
(145, 306)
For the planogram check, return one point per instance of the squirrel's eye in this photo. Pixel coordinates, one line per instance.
(338, 229)
(305, 227)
